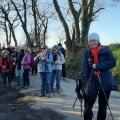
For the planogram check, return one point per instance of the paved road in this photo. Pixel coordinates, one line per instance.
(63, 102)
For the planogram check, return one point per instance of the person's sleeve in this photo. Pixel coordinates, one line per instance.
(49, 58)
(109, 63)
(84, 67)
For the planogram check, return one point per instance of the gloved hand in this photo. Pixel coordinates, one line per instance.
(94, 66)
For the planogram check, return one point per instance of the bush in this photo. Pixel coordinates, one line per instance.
(115, 46)
(73, 62)
(116, 70)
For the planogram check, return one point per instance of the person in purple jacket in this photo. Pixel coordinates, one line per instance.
(26, 62)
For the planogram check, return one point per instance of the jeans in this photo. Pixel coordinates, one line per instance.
(56, 74)
(13, 73)
(7, 78)
(102, 109)
(46, 82)
(26, 81)
(34, 70)
(19, 78)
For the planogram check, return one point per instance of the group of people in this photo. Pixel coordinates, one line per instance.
(96, 71)
(50, 68)
(16, 63)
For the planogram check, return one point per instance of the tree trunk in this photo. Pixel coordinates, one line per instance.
(87, 18)
(35, 20)
(10, 36)
(76, 15)
(10, 26)
(66, 28)
(24, 25)
(6, 32)
(13, 35)
(45, 31)
(39, 34)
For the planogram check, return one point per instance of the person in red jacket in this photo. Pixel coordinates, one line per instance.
(7, 69)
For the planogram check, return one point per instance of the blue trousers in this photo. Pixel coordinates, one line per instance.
(56, 74)
(46, 82)
(26, 81)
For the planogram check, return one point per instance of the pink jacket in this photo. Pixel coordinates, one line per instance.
(26, 62)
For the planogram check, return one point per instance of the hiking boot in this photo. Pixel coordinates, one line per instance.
(42, 95)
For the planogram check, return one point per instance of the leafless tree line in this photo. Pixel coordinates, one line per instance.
(18, 12)
(82, 13)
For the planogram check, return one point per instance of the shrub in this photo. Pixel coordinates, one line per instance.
(116, 70)
(115, 46)
(73, 62)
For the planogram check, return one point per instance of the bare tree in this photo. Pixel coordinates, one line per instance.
(83, 15)
(64, 23)
(43, 21)
(5, 11)
(3, 26)
(23, 20)
(41, 14)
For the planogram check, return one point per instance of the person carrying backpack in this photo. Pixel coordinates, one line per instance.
(8, 69)
(44, 60)
(97, 77)
(58, 60)
(26, 62)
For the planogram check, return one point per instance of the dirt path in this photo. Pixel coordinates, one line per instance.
(25, 104)
(13, 108)
(63, 102)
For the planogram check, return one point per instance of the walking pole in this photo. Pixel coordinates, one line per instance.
(104, 94)
(75, 102)
(78, 91)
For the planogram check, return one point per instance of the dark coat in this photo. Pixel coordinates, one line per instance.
(19, 59)
(106, 63)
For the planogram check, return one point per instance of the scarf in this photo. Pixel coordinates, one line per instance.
(95, 52)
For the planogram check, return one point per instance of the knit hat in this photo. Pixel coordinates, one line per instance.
(94, 36)
(59, 44)
(56, 47)
(44, 46)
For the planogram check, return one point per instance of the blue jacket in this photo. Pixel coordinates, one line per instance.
(45, 65)
(106, 63)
